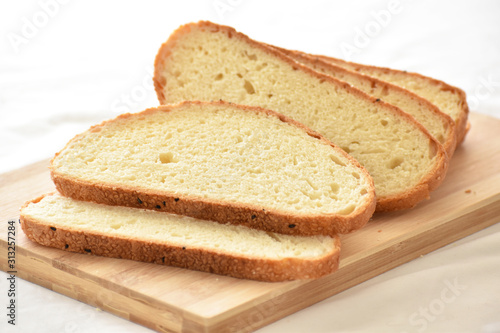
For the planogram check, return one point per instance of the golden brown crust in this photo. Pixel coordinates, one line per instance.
(450, 142)
(403, 201)
(217, 210)
(201, 259)
(461, 124)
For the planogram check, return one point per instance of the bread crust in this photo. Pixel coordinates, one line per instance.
(451, 137)
(251, 216)
(405, 200)
(202, 259)
(462, 124)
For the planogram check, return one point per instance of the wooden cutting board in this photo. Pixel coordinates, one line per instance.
(171, 299)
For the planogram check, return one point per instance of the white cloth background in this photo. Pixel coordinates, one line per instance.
(66, 65)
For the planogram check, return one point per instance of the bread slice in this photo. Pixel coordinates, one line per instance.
(206, 61)
(449, 99)
(180, 241)
(439, 124)
(222, 162)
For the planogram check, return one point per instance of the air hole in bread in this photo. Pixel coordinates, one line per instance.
(261, 66)
(251, 56)
(168, 158)
(335, 187)
(337, 160)
(384, 122)
(314, 196)
(395, 162)
(219, 77)
(348, 210)
(356, 175)
(314, 187)
(432, 150)
(249, 87)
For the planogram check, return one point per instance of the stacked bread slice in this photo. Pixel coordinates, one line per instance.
(257, 160)
(438, 123)
(175, 240)
(246, 176)
(449, 99)
(205, 61)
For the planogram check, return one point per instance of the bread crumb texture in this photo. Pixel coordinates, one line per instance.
(439, 124)
(150, 226)
(175, 240)
(204, 62)
(219, 152)
(449, 99)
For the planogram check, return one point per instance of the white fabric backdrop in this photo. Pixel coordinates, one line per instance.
(66, 65)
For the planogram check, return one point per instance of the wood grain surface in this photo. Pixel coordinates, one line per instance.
(170, 299)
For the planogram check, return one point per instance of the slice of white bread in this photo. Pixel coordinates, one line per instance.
(439, 124)
(222, 162)
(206, 61)
(449, 99)
(180, 241)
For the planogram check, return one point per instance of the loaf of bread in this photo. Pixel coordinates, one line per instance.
(221, 162)
(180, 241)
(439, 124)
(206, 61)
(449, 99)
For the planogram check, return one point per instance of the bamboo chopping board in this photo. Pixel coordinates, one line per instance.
(171, 299)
